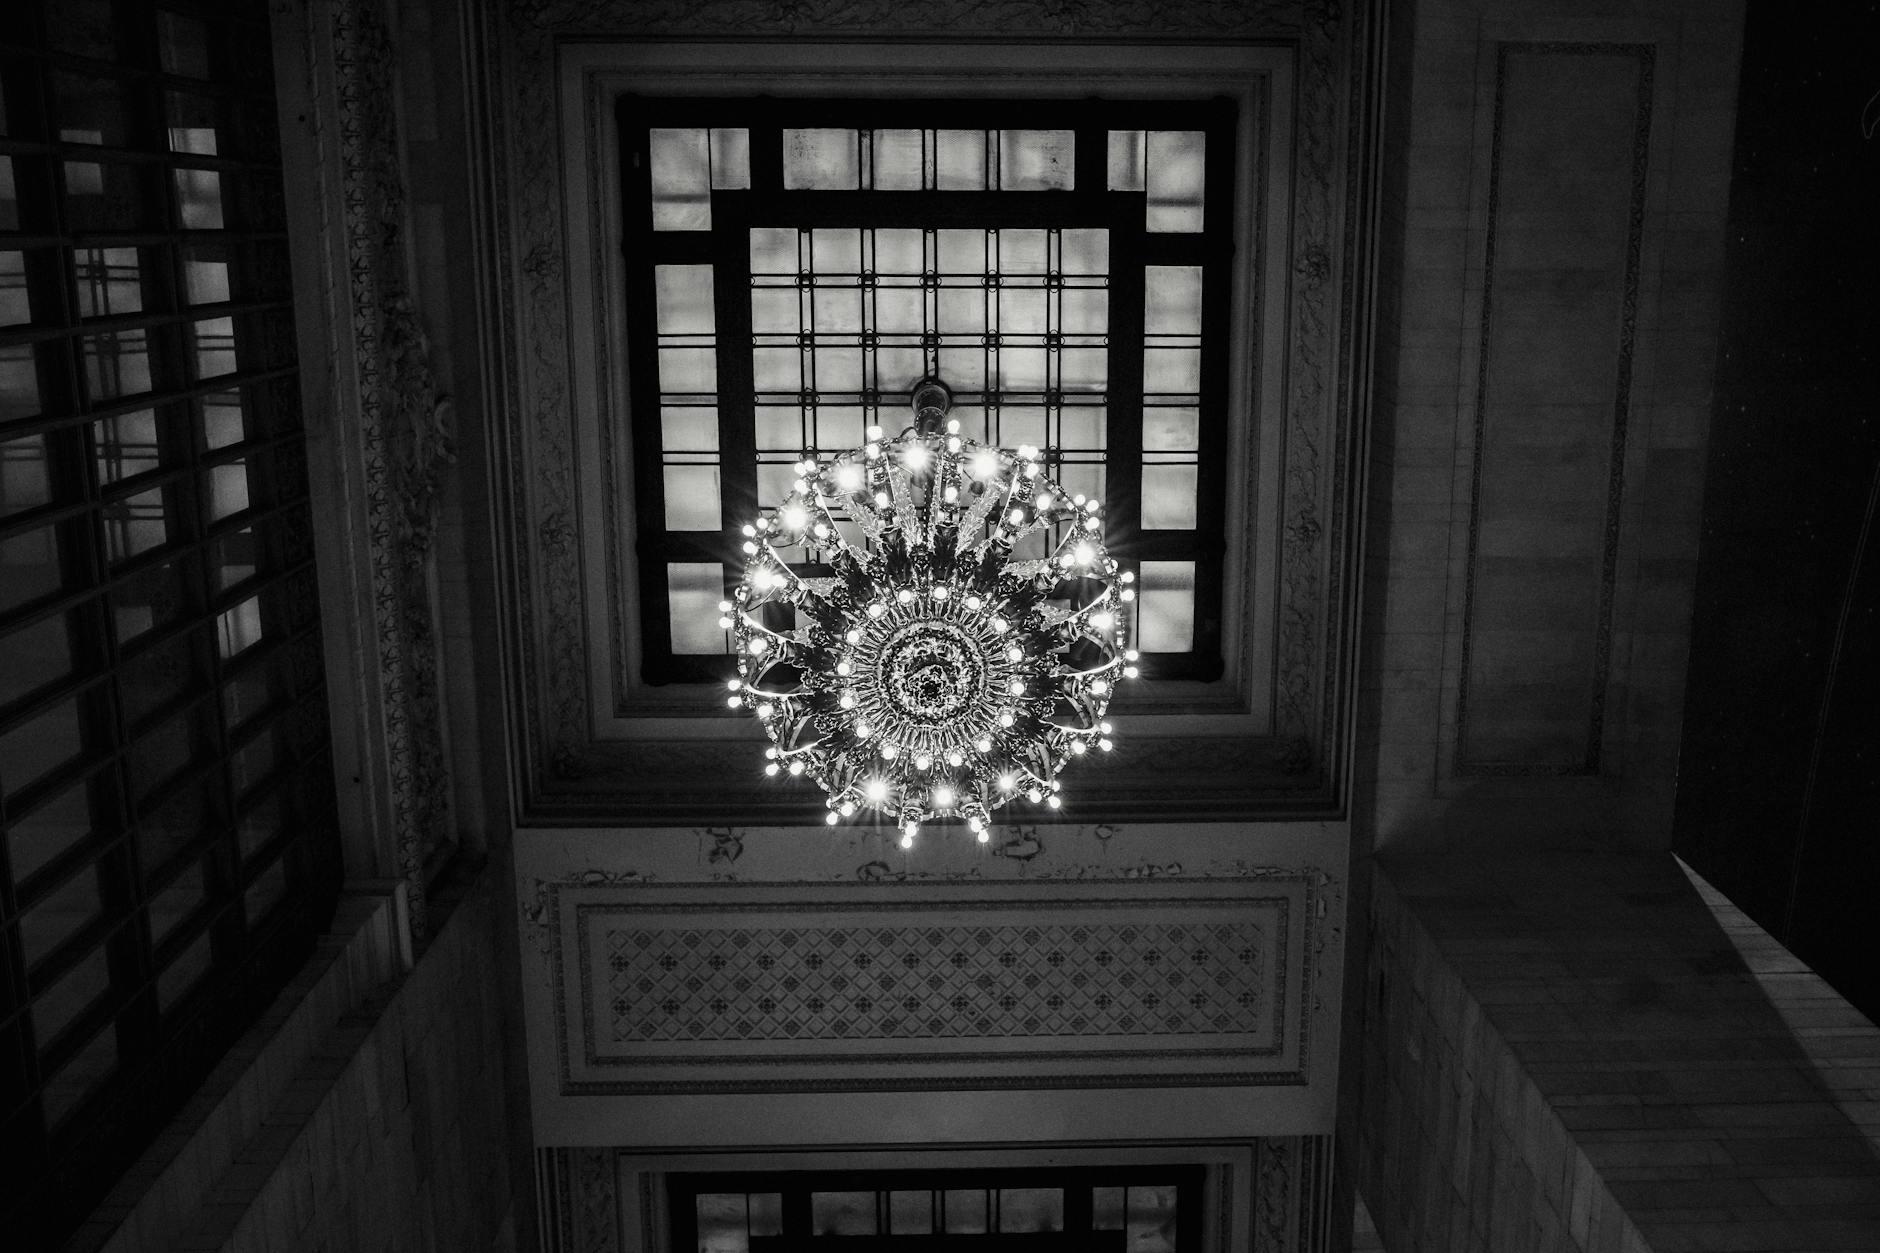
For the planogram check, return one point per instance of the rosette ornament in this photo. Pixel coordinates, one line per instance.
(958, 627)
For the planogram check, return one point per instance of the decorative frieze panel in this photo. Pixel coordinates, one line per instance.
(860, 987)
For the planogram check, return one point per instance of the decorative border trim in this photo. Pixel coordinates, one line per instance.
(1622, 403)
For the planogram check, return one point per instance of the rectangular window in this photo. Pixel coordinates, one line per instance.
(156, 597)
(795, 266)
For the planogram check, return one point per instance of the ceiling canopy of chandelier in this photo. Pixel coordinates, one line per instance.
(938, 671)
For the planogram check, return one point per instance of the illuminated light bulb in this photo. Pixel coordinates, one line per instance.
(763, 579)
(943, 796)
(1105, 745)
(871, 451)
(923, 762)
(1091, 524)
(953, 441)
(1044, 501)
(1077, 747)
(735, 684)
(874, 432)
(877, 609)
(1034, 796)
(750, 532)
(1131, 655)
(974, 824)
(1129, 593)
(772, 751)
(1018, 687)
(771, 769)
(1130, 672)
(1000, 625)
(953, 426)
(973, 602)
(820, 531)
(1067, 561)
(1007, 782)
(849, 477)
(763, 524)
(1099, 686)
(1015, 517)
(843, 667)
(758, 646)
(1104, 727)
(854, 636)
(795, 517)
(954, 757)
(905, 596)
(940, 593)
(1007, 718)
(983, 744)
(724, 624)
(765, 711)
(1026, 451)
(796, 767)
(831, 818)
(734, 701)
(1078, 499)
(882, 499)
(985, 465)
(952, 494)
(1103, 620)
(1090, 506)
(1053, 802)
(724, 606)
(1014, 653)
(750, 548)
(846, 809)
(907, 840)
(1086, 554)
(864, 730)
(1128, 576)
(916, 457)
(985, 836)
(1031, 469)
(890, 751)
(848, 700)
(877, 790)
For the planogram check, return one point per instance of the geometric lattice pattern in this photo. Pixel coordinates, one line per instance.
(866, 983)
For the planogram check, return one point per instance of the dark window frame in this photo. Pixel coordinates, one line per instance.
(192, 731)
(767, 203)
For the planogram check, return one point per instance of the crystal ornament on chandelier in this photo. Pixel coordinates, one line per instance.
(933, 675)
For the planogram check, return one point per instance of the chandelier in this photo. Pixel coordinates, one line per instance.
(965, 646)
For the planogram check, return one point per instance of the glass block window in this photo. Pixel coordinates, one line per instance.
(1138, 1209)
(791, 274)
(168, 846)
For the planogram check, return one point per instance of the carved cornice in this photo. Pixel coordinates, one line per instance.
(403, 431)
(568, 772)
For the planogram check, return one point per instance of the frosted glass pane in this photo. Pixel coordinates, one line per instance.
(779, 428)
(910, 1213)
(821, 160)
(1165, 606)
(1031, 1209)
(898, 310)
(682, 294)
(1177, 163)
(723, 1224)
(837, 251)
(838, 369)
(777, 369)
(842, 1213)
(1022, 251)
(1021, 310)
(966, 1211)
(1126, 161)
(693, 590)
(1037, 160)
(837, 310)
(1022, 424)
(774, 480)
(1151, 1220)
(692, 499)
(1082, 427)
(775, 311)
(766, 1213)
(1168, 371)
(215, 347)
(199, 199)
(109, 281)
(1171, 302)
(773, 250)
(962, 311)
(36, 838)
(1106, 1204)
(682, 179)
(59, 917)
(1021, 369)
(960, 160)
(184, 973)
(1084, 370)
(87, 1069)
(688, 371)
(964, 369)
(56, 1007)
(961, 252)
(898, 252)
(1171, 429)
(1084, 251)
(688, 429)
(839, 426)
(898, 369)
(897, 160)
(117, 364)
(1085, 311)
(731, 159)
(205, 279)
(1168, 498)
(1084, 477)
